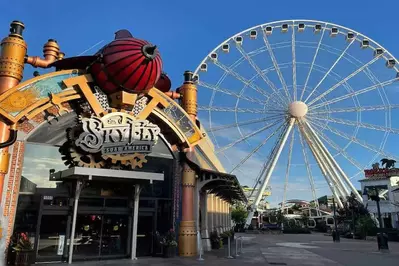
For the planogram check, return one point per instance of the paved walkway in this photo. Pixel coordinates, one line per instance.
(295, 250)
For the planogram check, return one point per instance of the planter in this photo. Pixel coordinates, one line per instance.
(24, 258)
(215, 244)
(169, 252)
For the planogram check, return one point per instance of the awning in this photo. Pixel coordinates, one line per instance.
(85, 173)
(225, 186)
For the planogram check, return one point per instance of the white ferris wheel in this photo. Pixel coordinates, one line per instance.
(301, 105)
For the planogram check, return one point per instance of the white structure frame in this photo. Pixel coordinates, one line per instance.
(290, 109)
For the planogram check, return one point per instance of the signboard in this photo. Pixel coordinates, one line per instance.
(381, 172)
(60, 249)
(117, 133)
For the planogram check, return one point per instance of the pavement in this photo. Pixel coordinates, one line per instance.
(296, 250)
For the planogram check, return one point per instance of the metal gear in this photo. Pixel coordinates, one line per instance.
(85, 160)
(137, 161)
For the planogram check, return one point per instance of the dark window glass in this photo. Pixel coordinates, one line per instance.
(146, 204)
(55, 201)
(91, 202)
(117, 203)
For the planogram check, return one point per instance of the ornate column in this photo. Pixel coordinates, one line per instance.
(187, 229)
(12, 60)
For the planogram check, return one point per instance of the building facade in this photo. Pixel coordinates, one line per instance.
(127, 161)
(386, 182)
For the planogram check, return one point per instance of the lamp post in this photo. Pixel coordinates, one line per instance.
(382, 239)
(335, 234)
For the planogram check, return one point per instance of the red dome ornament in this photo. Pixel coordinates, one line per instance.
(127, 64)
(164, 84)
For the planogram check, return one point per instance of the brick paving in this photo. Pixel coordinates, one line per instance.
(295, 250)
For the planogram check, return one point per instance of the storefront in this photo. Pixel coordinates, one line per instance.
(104, 218)
(135, 152)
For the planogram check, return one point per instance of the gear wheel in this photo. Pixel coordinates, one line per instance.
(86, 160)
(137, 161)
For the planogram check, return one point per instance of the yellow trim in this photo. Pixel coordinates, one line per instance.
(82, 82)
(35, 79)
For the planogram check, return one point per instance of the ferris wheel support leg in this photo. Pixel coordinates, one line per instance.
(324, 171)
(346, 179)
(327, 159)
(269, 172)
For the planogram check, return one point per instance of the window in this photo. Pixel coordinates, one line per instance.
(38, 160)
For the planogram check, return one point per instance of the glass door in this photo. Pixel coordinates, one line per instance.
(87, 239)
(145, 234)
(52, 235)
(114, 235)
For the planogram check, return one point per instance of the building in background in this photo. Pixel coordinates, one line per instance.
(387, 182)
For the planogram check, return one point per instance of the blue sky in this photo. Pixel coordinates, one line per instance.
(186, 33)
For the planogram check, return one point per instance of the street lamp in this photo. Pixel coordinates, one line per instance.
(373, 194)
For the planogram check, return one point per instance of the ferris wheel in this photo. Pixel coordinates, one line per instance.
(302, 106)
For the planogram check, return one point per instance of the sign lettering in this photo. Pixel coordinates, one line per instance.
(117, 133)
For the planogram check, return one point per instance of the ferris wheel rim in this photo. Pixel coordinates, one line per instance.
(356, 102)
(291, 20)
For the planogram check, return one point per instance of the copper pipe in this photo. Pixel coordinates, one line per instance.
(12, 57)
(173, 95)
(51, 53)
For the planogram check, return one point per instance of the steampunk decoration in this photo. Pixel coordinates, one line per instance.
(123, 71)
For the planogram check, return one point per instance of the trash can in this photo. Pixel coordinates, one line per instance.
(335, 236)
(382, 240)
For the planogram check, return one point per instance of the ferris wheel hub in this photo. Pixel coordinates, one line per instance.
(297, 109)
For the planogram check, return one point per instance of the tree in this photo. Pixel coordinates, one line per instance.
(352, 211)
(239, 214)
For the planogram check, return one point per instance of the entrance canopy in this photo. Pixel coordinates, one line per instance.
(84, 173)
(224, 185)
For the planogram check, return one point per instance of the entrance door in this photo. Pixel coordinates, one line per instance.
(101, 236)
(145, 234)
(52, 237)
(114, 235)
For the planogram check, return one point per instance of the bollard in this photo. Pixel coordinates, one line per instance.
(199, 243)
(229, 248)
(382, 241)
(237, 255)
(241, 245)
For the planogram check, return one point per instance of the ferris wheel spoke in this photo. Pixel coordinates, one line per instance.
(334, 145)
(329, 162)
(245, 81)
(360, 142)
(246, 158)
(293, 61)
(329, 71)
(360, 69)
(356, 93)
(356, 109)
(231, 93)
(241, 110)
(276, 66)
(244, 123)
(261, 74)
(324, 170)
(313, 63)
(309, 171)
(335, 166)
(269, 167)
(356, 124)
(287, 171)
(246, 137)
